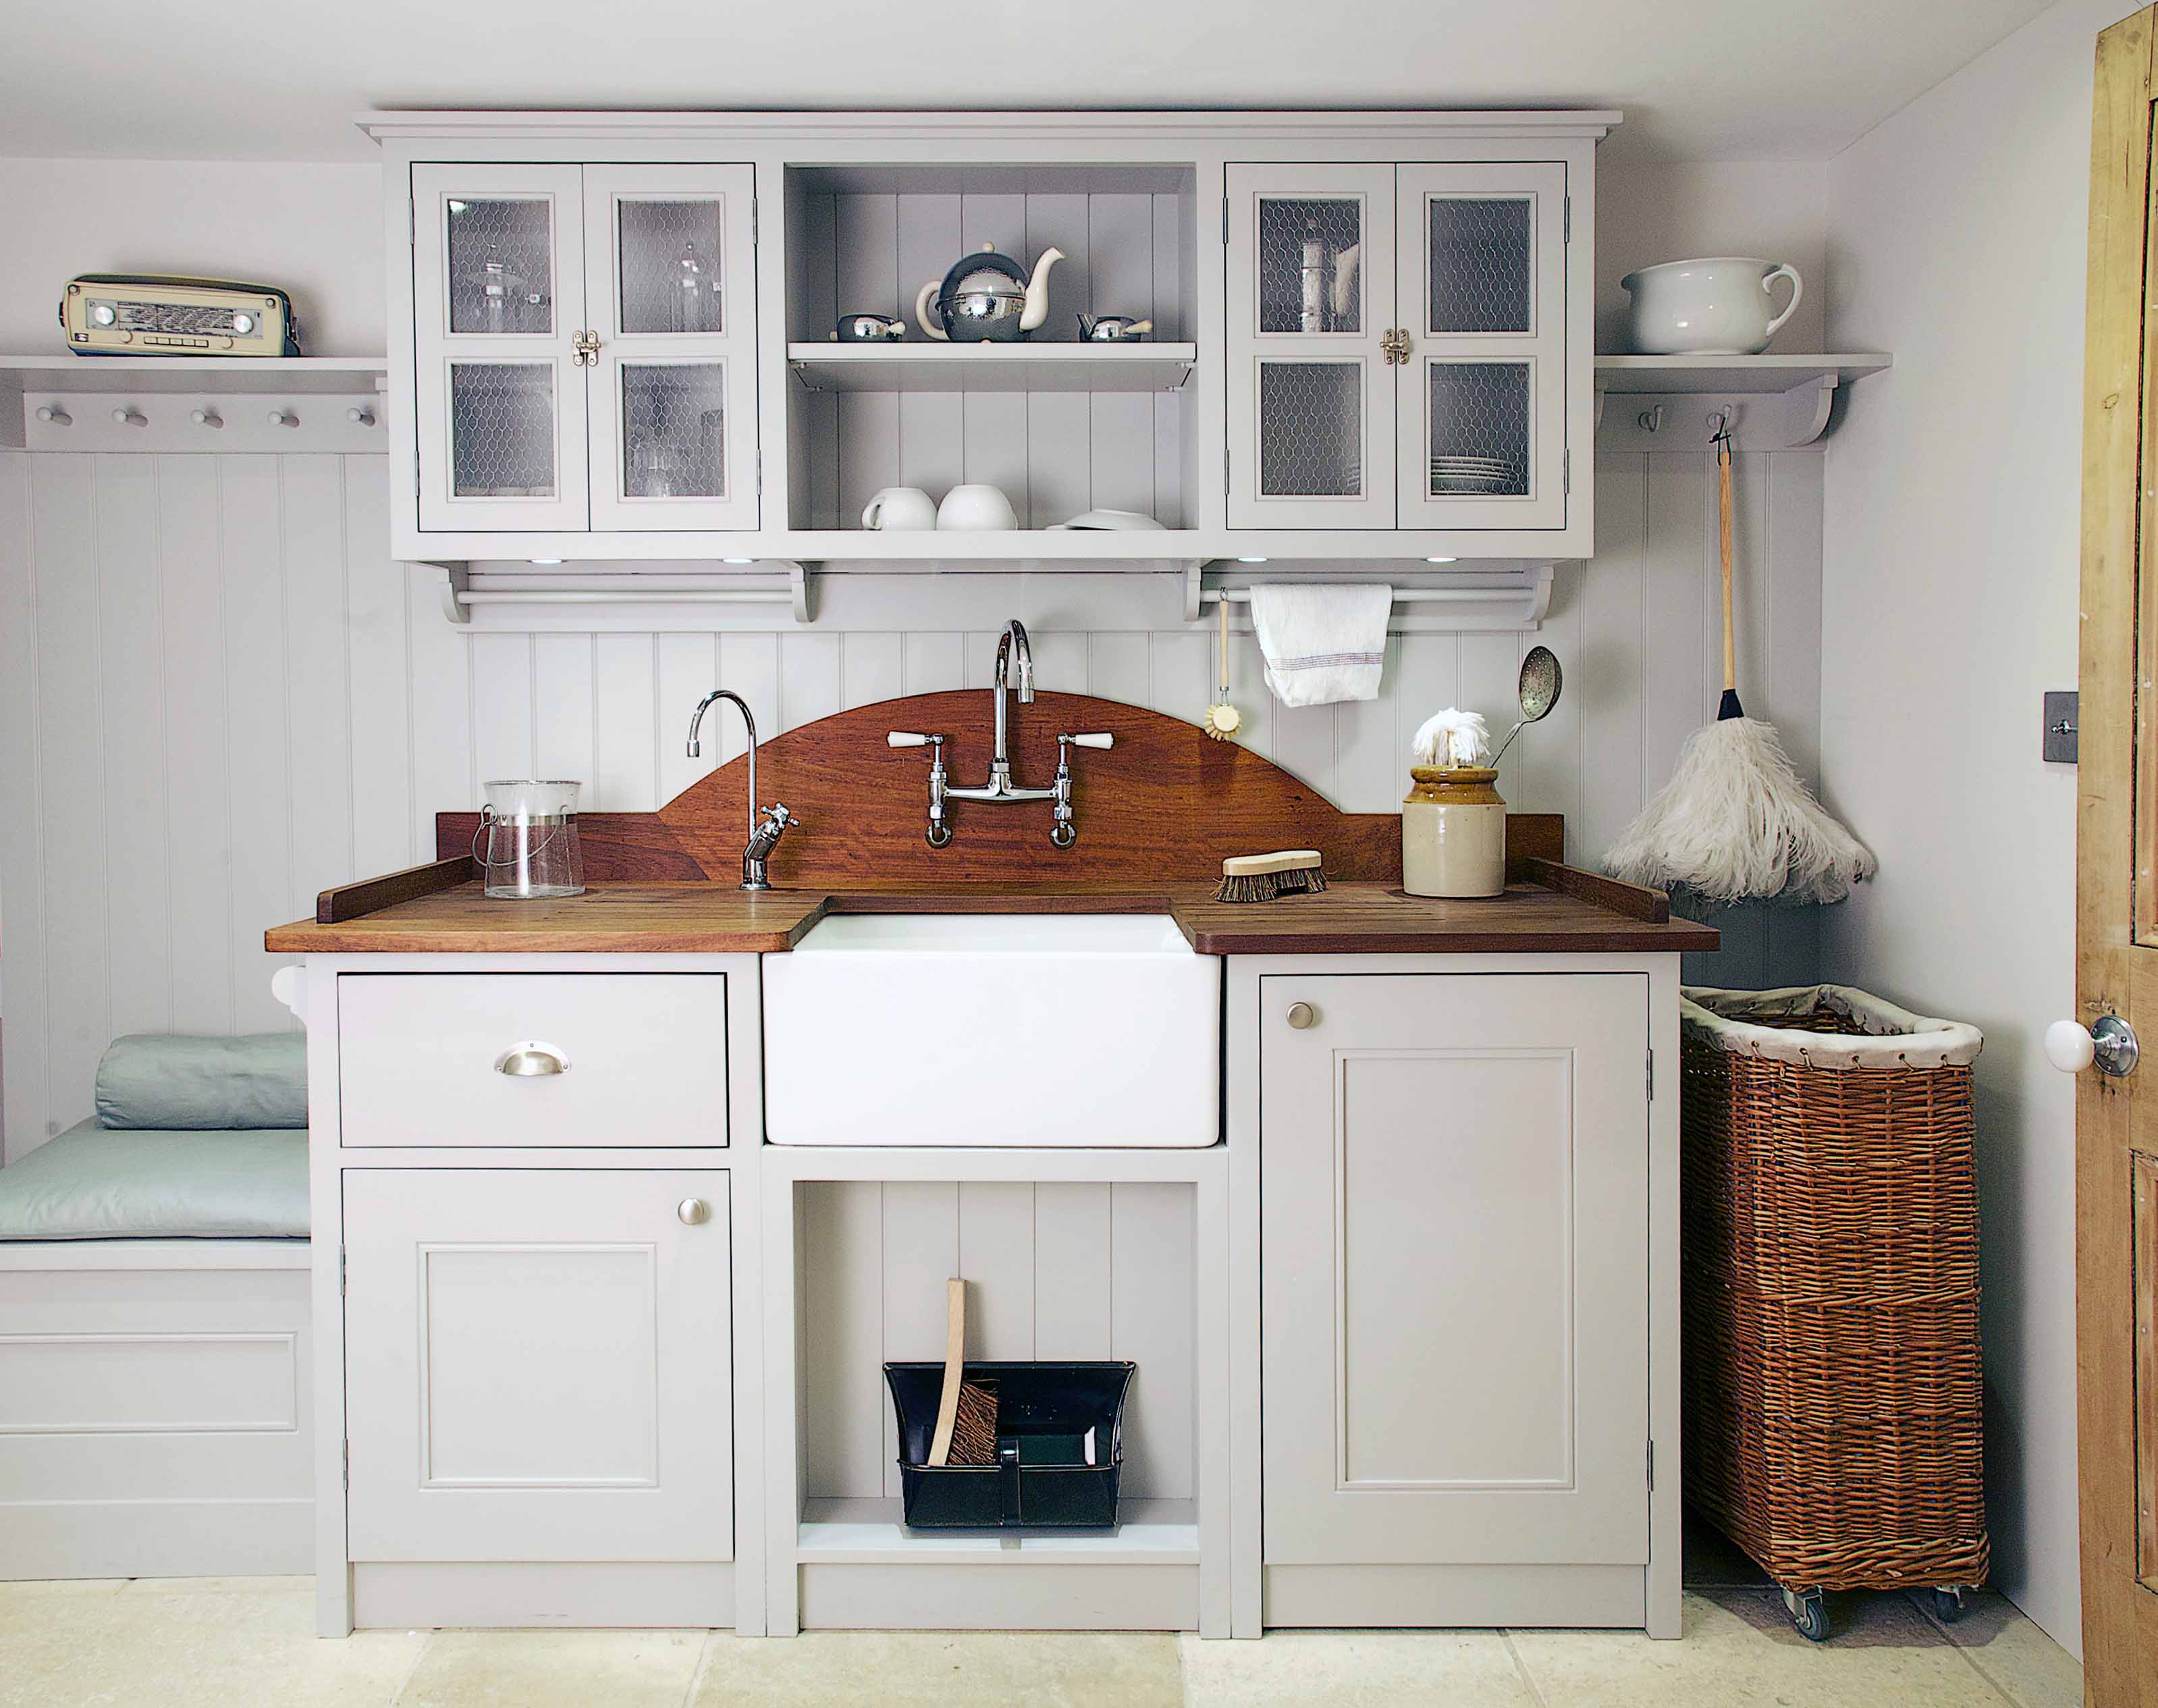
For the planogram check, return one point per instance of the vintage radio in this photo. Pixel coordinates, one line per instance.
(150, 314)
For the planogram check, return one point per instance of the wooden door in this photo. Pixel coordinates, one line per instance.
(1482, 395)
(1311, 392)
(538, 1365)
(671, 286)
(2117, 913)
(499, 297)
(1454, 1239)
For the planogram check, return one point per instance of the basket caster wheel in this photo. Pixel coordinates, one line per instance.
(1809, 1612)
(1948, 1603)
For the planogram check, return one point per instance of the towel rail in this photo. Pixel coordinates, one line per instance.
(1502, 597)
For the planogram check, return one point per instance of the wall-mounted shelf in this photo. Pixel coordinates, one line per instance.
(911, 366)
(1773, 402)
(299, 375)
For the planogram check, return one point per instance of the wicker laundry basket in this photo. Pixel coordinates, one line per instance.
(1830, 1277)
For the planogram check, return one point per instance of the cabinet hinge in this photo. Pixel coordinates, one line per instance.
(1565, 220)
(760, 471)
(411, 223)
(1652, 1468)
(347, 1464)
(1566, 469)
(1652, 1076)
(1226, 477)
(1225, 222)
(343, 1274)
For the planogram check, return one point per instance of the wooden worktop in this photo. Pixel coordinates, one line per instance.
(716, 919)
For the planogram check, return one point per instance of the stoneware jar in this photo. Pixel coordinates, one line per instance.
(1720, 305)
(1453, 833)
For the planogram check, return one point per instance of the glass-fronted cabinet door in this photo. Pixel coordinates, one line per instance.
(498, 291)
(1482, 340)
(1311, 300)
(671, 279)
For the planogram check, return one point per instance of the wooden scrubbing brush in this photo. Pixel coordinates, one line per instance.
(1294, 871)
(966, 1412)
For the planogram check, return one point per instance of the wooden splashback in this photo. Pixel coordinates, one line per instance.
(1166, 804)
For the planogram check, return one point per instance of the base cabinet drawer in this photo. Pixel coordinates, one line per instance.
(517, 1060)
(538, 1365)
(1456, 1348)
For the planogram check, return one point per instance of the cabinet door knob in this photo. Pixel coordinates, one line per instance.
(2111, 1044)
(693, 1212)
(1302, 1016)
(531, 1060)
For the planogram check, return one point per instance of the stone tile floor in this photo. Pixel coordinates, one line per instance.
(224, 1643)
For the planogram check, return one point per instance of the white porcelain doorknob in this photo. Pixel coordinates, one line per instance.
(2110, 1044)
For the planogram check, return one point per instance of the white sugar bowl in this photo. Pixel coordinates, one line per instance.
(1723, 306)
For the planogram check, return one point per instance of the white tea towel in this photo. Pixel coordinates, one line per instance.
(1323, 643)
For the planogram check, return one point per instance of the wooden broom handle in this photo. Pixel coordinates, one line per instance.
(955, 1364)
(1723, 543)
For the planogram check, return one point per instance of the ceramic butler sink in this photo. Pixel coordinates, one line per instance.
(993, 1029)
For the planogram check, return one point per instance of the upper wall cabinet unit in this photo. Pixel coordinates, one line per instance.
(1201, 335)
(585, 348)
(1397, 347)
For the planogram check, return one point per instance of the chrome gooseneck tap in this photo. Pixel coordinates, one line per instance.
(765, 828)
(1011, 647)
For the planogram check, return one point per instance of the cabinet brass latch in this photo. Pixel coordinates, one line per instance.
(585, 350)
(1395, 346)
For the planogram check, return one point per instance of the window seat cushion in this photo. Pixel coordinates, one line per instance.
(91, 1182)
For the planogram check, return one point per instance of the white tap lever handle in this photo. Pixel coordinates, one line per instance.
(1100, 739)
(906, 738)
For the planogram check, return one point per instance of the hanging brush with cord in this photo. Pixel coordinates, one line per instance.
(1735, 822)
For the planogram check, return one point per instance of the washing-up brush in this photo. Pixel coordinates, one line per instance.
(966, 1412)
(1293, 871)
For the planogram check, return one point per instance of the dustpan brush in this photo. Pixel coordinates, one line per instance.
(1737, 821)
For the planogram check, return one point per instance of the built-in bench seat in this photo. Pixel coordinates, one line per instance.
(155, 1362)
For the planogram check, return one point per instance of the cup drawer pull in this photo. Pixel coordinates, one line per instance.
(531, 1060)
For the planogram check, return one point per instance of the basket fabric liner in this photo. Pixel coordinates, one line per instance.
(1769, 1023)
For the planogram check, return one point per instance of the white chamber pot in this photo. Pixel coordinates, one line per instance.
(1719, 305)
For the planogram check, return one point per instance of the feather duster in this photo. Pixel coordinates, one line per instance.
(1735, 822)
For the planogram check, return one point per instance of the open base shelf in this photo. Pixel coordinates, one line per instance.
(869, 1532)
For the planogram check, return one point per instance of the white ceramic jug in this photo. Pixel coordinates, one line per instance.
(901, 510)
(1722, 306)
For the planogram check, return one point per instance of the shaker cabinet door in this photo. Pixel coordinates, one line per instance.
(670, 272)
(1454, 1183)
(538, 1365)
(1311, 300)
(1482, 395)
(498, 293)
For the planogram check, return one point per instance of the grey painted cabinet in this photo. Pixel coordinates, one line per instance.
(1454, 1247)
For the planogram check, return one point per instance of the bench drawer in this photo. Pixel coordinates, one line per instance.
(467, 1060)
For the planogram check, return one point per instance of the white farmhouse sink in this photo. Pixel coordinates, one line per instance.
(993, 1029)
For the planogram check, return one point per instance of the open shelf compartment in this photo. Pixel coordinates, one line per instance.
(1060, 426)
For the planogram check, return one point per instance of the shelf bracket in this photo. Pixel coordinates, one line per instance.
(797, 586)
(456, 583)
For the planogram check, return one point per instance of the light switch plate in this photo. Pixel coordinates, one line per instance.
(2059, 741)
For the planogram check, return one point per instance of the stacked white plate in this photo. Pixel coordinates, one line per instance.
(1473, 474)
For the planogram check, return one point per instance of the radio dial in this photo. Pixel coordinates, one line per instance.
(103, 314)
(243, 323)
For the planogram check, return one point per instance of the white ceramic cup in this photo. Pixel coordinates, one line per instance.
(1721, 305)
(975, 509)
(901, 510)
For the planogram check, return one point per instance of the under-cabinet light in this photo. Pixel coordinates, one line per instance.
(737, 560)
(1442, 561)
(547, 562)
(1250, 560)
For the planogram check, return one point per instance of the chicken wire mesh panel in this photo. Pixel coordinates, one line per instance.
(502, 430)
(1311, 430)
(669, 265)
(674, 441)
(500, 266)
(1482, 263)
(1479, 428)
(1310, 275)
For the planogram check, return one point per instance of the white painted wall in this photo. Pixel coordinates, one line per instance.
(1949, 604)
(316, 230)
(217, 697)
